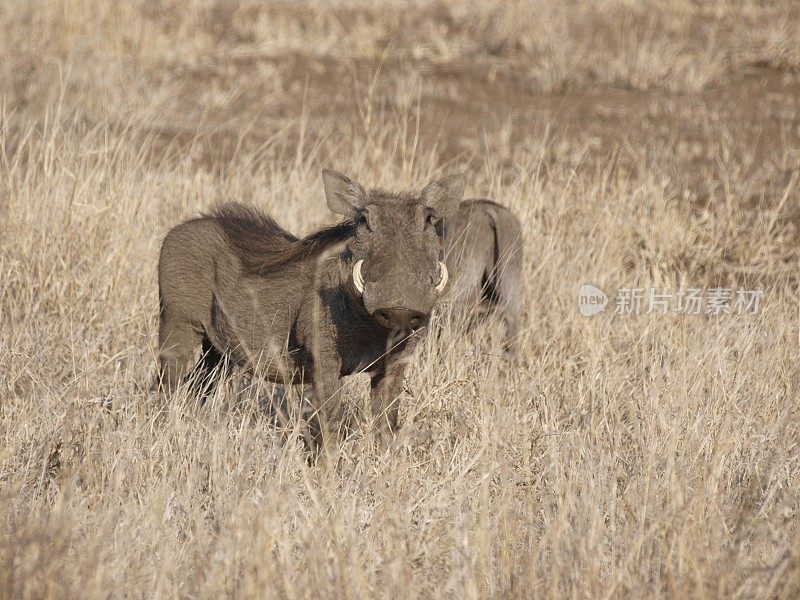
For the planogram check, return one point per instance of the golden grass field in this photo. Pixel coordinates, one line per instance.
(642, 143)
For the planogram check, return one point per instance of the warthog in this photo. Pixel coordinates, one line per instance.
(345, 299)
(484, 255)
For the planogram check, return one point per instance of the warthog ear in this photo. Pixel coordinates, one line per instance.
(444, 195)
(345, 196)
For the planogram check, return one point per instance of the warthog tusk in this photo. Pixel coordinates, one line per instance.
(358, 278)
(443, 274)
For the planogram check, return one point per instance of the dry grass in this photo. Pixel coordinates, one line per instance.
(625, 457)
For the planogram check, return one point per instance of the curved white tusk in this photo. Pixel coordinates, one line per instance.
(358, 278)
(443, 274)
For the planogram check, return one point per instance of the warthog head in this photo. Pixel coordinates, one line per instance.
(397, 266)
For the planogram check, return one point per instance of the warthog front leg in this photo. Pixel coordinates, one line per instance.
(177, 342)
(387, 386)
(212, 367)
(328, 409)
(327, 421)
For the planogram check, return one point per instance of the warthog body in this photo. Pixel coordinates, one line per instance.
(484, 256)
(343, 300)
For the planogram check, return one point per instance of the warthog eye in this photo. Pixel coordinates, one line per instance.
(433, 221)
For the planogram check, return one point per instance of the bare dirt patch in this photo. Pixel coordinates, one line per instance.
(750, 122)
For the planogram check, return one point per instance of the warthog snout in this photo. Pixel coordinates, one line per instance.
(399, 294)
(400, 318)
(405, 305)
(399, 306)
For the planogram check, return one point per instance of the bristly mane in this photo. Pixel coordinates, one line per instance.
(263, 246)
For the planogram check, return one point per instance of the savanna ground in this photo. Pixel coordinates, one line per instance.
(643, 144)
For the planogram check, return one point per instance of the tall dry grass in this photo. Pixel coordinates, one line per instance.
(624, 457)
